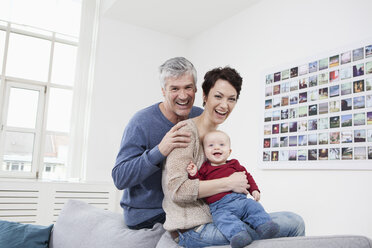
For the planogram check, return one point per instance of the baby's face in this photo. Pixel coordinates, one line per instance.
(217, 147)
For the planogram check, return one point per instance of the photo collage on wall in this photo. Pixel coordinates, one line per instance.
(320, 110)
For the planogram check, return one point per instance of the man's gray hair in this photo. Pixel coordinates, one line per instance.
(176, 67)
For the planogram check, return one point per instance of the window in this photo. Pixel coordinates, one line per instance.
(38, 87)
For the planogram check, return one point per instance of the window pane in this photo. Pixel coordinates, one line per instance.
(55, 156)
(2, 44)
(18, 151)
(55, 15)
(64, 61)
(28, 57)
(59, 111)
(22, 108)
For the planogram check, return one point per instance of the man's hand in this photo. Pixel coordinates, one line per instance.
(192, 169)
(256, 195)
(238, 182)
(175, 138)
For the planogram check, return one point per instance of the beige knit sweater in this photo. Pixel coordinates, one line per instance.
(183, 209)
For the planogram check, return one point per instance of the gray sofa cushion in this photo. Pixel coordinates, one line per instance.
(81, 225)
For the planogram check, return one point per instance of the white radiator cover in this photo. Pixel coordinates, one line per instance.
(40, 203)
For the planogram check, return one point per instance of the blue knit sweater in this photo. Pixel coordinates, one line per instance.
(138, 165)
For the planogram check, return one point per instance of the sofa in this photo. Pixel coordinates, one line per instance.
(81, 225)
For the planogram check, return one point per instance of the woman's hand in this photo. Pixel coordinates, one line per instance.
(256, 195)
(238, 182)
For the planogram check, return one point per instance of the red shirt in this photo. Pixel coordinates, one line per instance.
(208, 172)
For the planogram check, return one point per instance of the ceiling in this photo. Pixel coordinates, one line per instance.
(182, 18)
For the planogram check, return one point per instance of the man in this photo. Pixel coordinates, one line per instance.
(150, 136)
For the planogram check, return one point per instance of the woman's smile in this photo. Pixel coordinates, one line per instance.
(221, 112)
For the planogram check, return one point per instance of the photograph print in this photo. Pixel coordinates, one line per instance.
(323, 78)
(345, 73)
(345, 57)
(302, 155)
(334, 137)
(358, 70)
(359, 135)
(313, 66)
(294, 72)
(358, 86)
(360, 153)
(334, 154)
(346, 88)
(347, 153)
(358, 54)
(334, 61)
(346, 137)
(323, 64)
(323, 154)
(368, 68)
(313, 81)
(292, 155)
(368, 51)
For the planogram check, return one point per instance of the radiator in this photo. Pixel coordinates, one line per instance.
(41, 202)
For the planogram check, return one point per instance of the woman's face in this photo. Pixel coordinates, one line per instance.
(220, 101)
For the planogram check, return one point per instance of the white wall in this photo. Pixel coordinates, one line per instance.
(274, 33)
(269, 34)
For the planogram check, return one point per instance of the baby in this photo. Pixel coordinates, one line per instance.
(232, 211)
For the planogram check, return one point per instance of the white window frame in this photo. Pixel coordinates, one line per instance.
(82, 92)
(36, 130)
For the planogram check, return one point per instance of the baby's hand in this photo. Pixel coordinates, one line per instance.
(256, 195)
(192, 169)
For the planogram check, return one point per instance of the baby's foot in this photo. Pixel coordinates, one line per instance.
(267, 230)
(240, 239)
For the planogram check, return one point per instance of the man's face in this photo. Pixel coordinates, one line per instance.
(179, 96)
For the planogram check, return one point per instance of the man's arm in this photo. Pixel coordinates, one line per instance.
(135, 161)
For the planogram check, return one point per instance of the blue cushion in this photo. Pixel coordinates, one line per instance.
(16, 235)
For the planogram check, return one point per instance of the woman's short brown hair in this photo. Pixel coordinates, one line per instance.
(226, 73)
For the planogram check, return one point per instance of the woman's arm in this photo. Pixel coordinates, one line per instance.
(177, 183)
(236, 182)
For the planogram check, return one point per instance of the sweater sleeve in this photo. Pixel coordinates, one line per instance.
(252, 183)
(135, 162)
(180, 187)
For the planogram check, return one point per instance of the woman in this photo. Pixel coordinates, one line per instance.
(187, 216)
